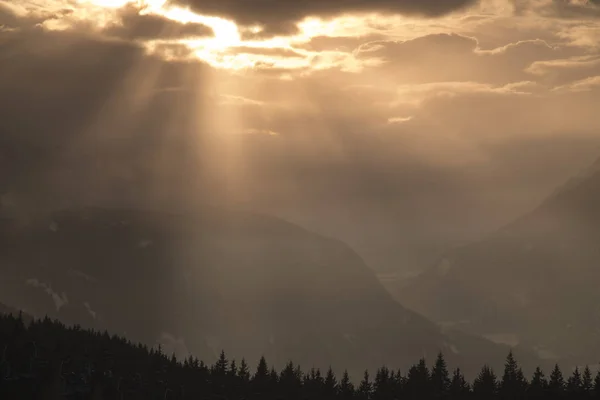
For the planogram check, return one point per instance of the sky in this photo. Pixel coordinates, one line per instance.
(400, 126)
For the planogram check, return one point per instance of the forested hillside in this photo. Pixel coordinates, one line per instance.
(44, 359)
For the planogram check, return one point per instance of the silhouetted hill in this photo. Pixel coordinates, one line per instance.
(249, 284)
(534, 282)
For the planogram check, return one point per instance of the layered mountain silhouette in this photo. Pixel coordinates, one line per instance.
(535, 282)
(249, 284)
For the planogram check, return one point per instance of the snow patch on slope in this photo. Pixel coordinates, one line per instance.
(83, 276)
(509, 339)
(173, 345)
(60, 300)
(89, 309)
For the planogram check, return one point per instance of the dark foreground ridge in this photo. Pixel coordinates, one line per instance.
(45, 359)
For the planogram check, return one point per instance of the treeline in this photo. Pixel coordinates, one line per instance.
(44, 359)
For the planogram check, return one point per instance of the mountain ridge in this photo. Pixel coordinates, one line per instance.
(235, 281)
(533, 279)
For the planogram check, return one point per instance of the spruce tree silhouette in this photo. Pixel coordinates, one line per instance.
(574, 387)
(459, 387)
(383, 386)
(233, 370)
(485, 385)
(556, 384)
(290, 382)
(330, 388)
(418, 381)
(538, 387)
(513, 384)
(365, 389)
(587, 382)
(346, 388)
(596, 389)
(440, 378)
(261, 381)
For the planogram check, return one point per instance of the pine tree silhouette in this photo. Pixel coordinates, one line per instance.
(244, 372)
(513, 384)
(587, 382)
(261, 382)
(459, 387)
(365, 389)
(330, 385)
(539, 385)
(596, 389)
(485, 385)
(418, 381)
(440, 378)
(346, 388)
(575, 384)
(556, 385)
(383, 385)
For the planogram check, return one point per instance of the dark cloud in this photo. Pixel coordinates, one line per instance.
(571, 9)
(561, 8)
(279, 15)
(133, 25)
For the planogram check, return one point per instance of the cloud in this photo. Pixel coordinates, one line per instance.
(280, 16)
(132, 24)
(131, 117)
(454, 57)
(575, 9)
(584, 85)
(561, 72)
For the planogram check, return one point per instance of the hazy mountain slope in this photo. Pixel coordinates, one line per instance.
(535, 281)
(250, 284)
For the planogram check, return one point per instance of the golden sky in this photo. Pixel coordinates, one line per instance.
(419, 109)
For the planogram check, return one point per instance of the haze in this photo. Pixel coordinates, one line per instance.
(403, 128)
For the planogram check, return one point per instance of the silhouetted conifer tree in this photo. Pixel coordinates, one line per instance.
(417, 382)
(538, 387)
(459, 387)
(383, 385)
(440, 378)
(290, 382)
(346, 388)
(485, 385)
(587, 381)
(261, 383)
(330, 386)
(244, 371)
(221, 367)
(513, 384)
(365, 389)
(596, 390)
(574, 384)
(556, 384)
(274, 376)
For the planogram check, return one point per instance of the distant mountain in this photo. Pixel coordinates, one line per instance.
(250, 284)
(535, 282)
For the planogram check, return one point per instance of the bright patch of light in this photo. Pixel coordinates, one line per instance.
(399, 120)
(107, 3)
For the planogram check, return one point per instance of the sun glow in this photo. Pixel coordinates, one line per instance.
(227, 47)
